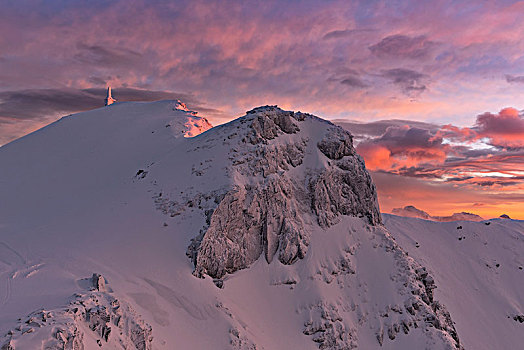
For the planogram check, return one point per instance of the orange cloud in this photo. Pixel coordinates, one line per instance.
(376, 156)
(443, 198)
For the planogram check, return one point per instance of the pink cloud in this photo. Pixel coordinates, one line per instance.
(505, 129)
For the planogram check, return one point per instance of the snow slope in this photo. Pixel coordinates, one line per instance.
(261, 233)
(478, 268)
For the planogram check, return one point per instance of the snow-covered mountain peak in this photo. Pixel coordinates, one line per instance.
(285, 173)
(276, 208)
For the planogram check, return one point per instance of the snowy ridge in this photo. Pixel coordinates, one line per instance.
(412, 212)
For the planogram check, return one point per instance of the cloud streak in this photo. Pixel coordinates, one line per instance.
(403, 46)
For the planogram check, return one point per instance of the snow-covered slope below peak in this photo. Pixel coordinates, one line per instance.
(89, 152)
(478, 268)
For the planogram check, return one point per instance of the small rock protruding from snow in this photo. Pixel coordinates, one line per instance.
(181, 106)
(194, 125)
(99, 283)
(336, 144)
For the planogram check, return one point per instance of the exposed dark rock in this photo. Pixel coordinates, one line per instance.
(249, 222)
(98, 282)
(345, 190)
(337, 143)
(267, 125)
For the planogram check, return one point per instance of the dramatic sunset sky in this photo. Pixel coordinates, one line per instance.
(432, 90)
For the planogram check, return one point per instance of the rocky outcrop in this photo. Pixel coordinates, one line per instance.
(267, 124)
(327, 328)
(265, 212)
(250, 221)
(345, 189)
(111, 320)
(336, 144)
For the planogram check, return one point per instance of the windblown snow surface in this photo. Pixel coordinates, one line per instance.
(121, 229)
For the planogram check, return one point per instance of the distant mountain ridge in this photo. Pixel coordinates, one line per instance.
(413, 212)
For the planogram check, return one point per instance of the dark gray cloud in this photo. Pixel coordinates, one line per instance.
(400, 138)
(417, 150)
(508, 122)
(379, 127)
(418, 172)
(411, 82)
(37, 103)
(402, 46)
(504, 129)
(515, 78)
(338, 34)
(354, 82)
(98, 80)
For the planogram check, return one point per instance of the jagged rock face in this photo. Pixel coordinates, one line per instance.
(336, 144)
(251, 221)
(266, 125)
(267, 214)
(346, 189)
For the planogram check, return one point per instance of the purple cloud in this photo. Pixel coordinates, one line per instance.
(514, 78)
(411, 82)
(402, 46)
